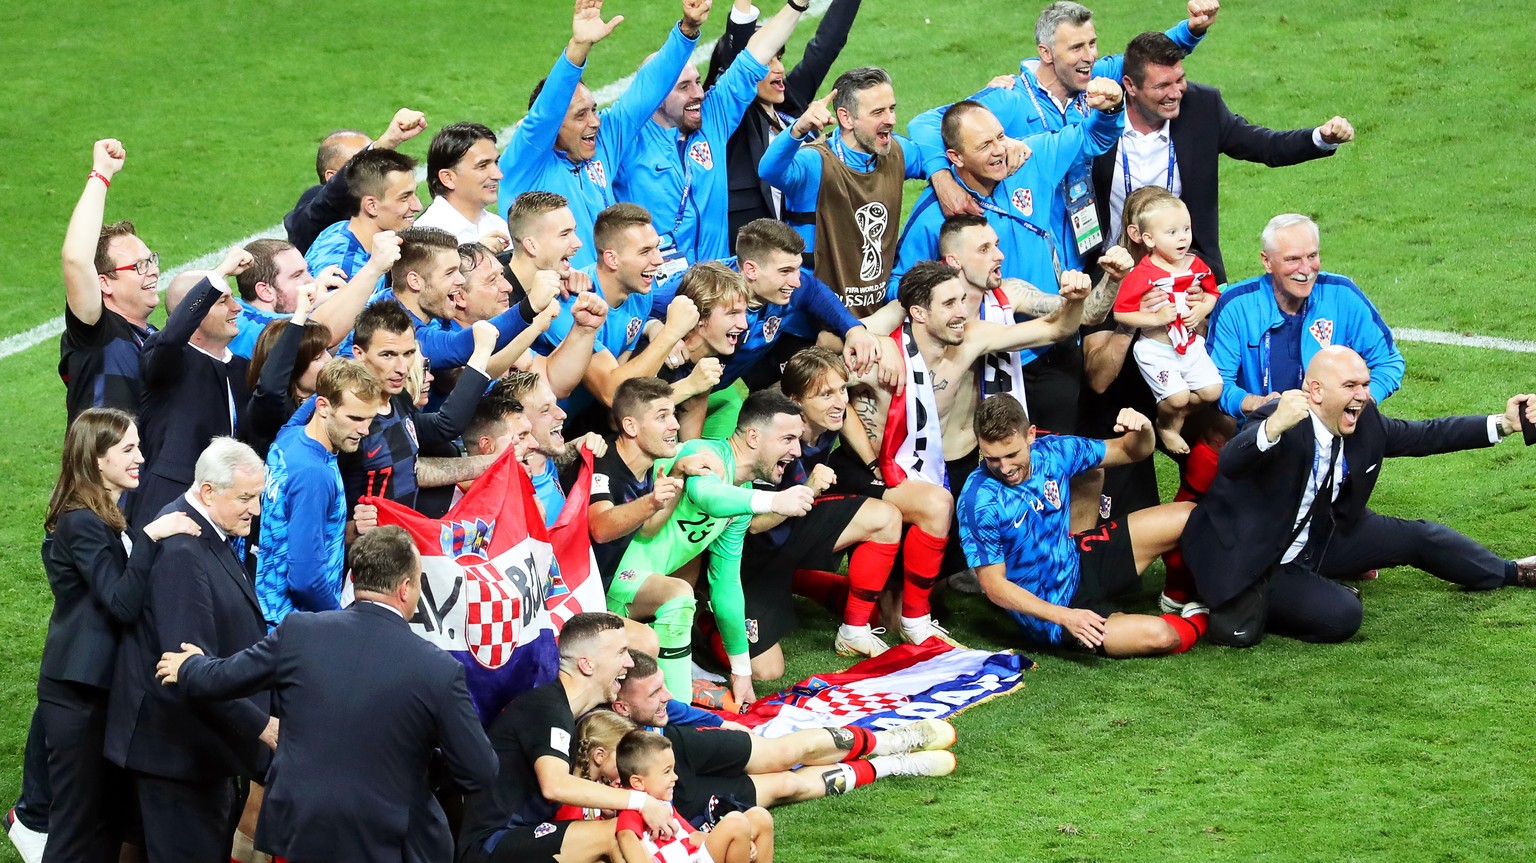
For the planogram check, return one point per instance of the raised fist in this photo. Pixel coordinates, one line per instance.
(589, 310)
(545, 287)
(1116, 262)
(235, 262)
(1104, 94)
(1202, 13)
(1293, 408)
(385, 249)
(107, 156)
(405, 125)
(793, 502)
(1131, 421)
(821, 479)
(1074, 285)
(1336, 131)
(682, 317)
(707, 372)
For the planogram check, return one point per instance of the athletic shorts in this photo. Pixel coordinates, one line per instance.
(853, 478)
(524, 844)
(711, 763)
(768, 571)
(1167, 372)
(1106, 567)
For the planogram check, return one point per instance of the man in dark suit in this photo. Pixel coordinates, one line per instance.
(1175, 133)
(365, 703)
(1287, 513)
(193, 385)
(189, 761)
(781, 97)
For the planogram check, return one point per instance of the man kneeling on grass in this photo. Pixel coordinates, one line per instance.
(1061, 587)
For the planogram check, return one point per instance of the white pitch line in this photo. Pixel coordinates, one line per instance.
(1435, 337)
(608, 93)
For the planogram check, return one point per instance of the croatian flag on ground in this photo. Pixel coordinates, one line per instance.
(904, 684)
(498, 585)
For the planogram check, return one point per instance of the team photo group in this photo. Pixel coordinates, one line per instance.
(475, 522)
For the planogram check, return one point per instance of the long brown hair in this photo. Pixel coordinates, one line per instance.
(80, 485)
(314, 342)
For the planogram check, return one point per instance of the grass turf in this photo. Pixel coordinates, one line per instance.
(1407, 743)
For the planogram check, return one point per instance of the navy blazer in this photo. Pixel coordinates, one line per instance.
(1243, 525)
(186, 404)
(1204, 131)
(364, 702)
(199, 594)
(98, 588)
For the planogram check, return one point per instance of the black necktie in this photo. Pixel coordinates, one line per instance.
(1321, 512)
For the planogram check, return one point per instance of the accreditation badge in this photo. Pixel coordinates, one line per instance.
(673, 261)
(1084, 212)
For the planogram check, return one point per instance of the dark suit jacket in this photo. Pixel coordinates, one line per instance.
(318, 208)
(97, 589)
(751, 196)
(199, 594)
(186, 404)
(1204, 130)
(364, 702)
(1243, 525)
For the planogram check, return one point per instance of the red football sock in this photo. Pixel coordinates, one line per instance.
(1179, 583)
(863, 743)
(868, 568)
(828, 589)
(863, 773)
(922, 555)
(1189, 629)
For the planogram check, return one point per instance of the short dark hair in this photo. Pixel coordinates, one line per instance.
(472, 255)
(533, 95)
(637, 750)
(761, 236)
(855, 81)
(381, 557)
(449, 146)
(368, 174)
(385, 314)
(645, 666)
(495, 404)
(528, 206)
(999, 418)
(1150, 49)
(122, 228)
(633, 395)
(949, 127)
(615, 220)
(263, 266)
(917, 284)
(328, 156)
(418, 246)
(807, 367)
(954, 225)
(584, 627)
(760, 407)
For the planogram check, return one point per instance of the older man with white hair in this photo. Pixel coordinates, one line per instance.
(1265, 330)
(189, 764)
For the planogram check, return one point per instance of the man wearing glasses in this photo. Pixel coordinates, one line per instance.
(110, 281)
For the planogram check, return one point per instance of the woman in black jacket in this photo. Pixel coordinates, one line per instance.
(98, 570)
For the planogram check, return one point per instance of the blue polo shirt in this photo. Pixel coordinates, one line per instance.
(1019, 208)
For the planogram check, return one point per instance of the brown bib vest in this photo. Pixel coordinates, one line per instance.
(856, 227)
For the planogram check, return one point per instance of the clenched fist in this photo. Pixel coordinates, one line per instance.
(1103, 94)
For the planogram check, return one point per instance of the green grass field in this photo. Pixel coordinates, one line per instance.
(1409, 743)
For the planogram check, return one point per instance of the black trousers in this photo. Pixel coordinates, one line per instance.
(189, 821)
(85, 820)
(36, 794)
(1303, 601)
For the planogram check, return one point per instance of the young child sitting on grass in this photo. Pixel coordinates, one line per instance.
(1170, 353)
(647, 765)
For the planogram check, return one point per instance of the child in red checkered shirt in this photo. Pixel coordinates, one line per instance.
(1170, 353)
(646, 763)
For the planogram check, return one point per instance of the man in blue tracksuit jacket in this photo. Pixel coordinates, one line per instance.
(1265, 330)
(677, 167)
(1047, 96)
(1016, 206)
(565, 145)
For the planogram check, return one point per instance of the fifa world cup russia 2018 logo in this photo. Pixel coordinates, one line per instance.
(872, 220)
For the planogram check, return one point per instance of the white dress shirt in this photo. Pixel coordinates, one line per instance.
(1324, 440)
(443, 216)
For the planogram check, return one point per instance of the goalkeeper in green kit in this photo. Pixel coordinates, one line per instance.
(714, 514)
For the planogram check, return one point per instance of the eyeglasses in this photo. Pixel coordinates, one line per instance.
(141, 266)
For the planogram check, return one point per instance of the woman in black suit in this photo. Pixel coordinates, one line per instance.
(97, 568)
